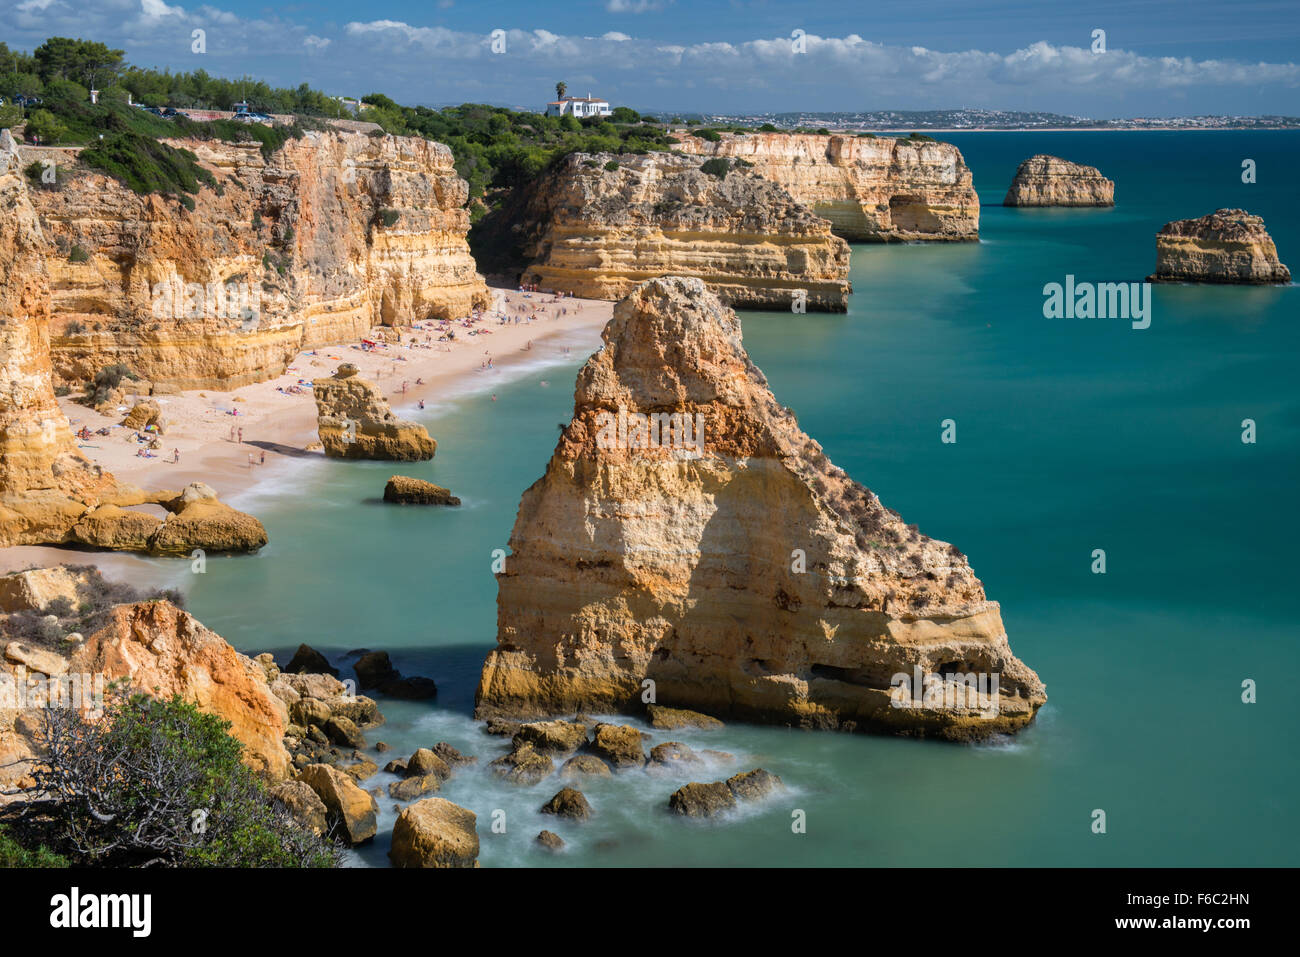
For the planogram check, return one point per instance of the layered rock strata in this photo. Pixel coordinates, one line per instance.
(1226, 246)
(598, 225)
(871, 189)
(688, 534)
(1044, 180)
(49, 492)
(355, 422)
(334, 234)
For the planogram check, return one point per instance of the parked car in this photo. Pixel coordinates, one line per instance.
(25, 101)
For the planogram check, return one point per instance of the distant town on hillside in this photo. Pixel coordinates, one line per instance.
(997, 120)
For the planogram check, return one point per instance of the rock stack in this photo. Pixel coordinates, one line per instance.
(1044, 180)
(689, 538)
(355, 422)
(1226, 246)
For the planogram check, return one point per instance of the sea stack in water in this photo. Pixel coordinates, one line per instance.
(1051, 181)
(871, 188)
(686, 532)
(355, 422)
(1227, 246)
(597, 225)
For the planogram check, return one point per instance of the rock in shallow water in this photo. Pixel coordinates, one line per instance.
(404, 490)
(716, 551)
(1226, 246)
(435, 833)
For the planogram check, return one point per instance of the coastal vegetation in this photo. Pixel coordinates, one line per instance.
(152, 783)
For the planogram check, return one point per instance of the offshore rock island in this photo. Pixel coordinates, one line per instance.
(1044, 180)
(871, 189)
(751, 579)
(1226, 246)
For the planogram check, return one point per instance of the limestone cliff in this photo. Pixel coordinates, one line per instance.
(1226, 246)
(872, 189)
(1044, 180)
(334, 234)
(153, 646)
(712, 549)
(598, 232)
(355, 422)
(49, 492)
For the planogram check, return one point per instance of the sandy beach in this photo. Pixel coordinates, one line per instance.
(277, 417)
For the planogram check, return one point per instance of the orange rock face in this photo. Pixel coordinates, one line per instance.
(165, 651)
(689, 542)
(872, 189)
(333, 234)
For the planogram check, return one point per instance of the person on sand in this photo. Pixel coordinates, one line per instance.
(263, 460)
(422, 403)
(241, 436)
(176, 456)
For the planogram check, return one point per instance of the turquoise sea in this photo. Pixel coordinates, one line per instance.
(1072, 435)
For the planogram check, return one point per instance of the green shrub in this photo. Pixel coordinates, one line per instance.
(13, 854)
(718, 166)
(389, 217)
(611, 166)
(710, 136)
(920, 138)
(867, 136)
(106, 381)
(147, 166)
(46, 126)
(768, 128)
(161, 783)
(78, 255)
(823, 131)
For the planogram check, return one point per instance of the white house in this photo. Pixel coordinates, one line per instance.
(579, 106)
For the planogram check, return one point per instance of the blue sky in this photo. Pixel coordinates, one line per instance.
(1167, 57)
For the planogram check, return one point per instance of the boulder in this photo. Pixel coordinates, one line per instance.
(425, 761)
(673, 752)
(619, 744)
(552, 737)
(355, 422)
(674, 719)
(452, 756)
(584, 765)
(569, 803)
(408, 789)
(351, 810)
(307, 660)
(550, 840)
(701, 800)
(342, 731)
(303, 804)
(752, 785)
(435, 833)
(523, 765)
(404, 490)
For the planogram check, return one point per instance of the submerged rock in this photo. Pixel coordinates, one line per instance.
(620, 745)
(435, 833)
(673, 752)
(405, 490)
(408, 789)
(1226, 246)
(523, 765)
(355, 422)
(701, 800)
(584, 765)
(1044, 180)
(717, 552)
(451, 755)
(674, 719)
(752, 785)
(550, 840)
(570, 803)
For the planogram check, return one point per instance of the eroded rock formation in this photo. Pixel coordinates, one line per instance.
(1044, 180)
(871, 189)
(334, 234)
(49, 492)
(1226, 246)
(355, 422)
(598, 232)
(154, 646)
(739, 570)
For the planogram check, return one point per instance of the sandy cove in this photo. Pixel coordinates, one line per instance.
(282, 424)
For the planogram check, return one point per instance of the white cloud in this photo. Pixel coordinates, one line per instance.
(632, 6)
(30, 6)
(315, 44)
(156, 8)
